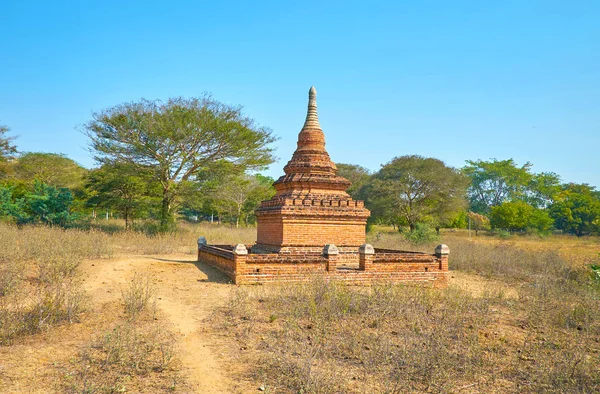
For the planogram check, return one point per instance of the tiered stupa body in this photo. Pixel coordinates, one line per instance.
(311, 207)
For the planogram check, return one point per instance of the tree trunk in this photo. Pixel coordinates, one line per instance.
(126, 218)
(166, 219)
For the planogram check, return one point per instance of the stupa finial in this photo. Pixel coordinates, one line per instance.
(312, 119)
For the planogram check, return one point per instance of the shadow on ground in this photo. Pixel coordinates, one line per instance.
(212, 274)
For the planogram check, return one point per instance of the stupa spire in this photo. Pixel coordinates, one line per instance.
(312, 118)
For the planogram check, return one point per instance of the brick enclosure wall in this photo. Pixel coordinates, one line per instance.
(387, 267)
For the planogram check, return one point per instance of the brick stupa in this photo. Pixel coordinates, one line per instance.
(311, 207)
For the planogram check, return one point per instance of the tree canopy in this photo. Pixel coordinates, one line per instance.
(496, 181)
(577, 209)
(519, 216)
(359, 176)
(7, 149)
(413, 189)
(178, 140)
(123, 188)
(49, 168)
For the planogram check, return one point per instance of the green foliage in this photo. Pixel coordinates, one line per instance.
(43, 204)
(543, 189)
(577, 209)
(496, 181)
(9, 209)
(460, 220)
(413, 189)
(237, 196)
(518, 216)
(6, 147)
(359, 176)
(178, 142)
(595, 273)
(123, 188)
(47, 205)
(422, 234)
(49, 168)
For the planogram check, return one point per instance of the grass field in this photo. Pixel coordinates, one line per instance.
(102, 312)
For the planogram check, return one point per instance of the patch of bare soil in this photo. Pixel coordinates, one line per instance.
(478, 285)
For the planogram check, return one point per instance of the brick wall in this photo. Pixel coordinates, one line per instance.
(373, 268)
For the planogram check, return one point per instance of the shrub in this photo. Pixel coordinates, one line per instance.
(137, 294)
(119, 359)
(423, 233)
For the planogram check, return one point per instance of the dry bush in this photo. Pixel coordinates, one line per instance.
(39, 287)
(132, 357)
(137, 294)
(326, 337)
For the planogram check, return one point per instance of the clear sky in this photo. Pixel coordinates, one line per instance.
(454, 80)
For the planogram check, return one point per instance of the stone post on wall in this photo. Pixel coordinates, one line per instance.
(201, 242)
(331, 252)
(441, 252)
(240, 253)
(366, 253)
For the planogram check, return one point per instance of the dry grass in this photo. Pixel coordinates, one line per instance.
(39, 284)
(39, 280)
(325, 337)
(137, 295)
(135, 356)
(184, 240)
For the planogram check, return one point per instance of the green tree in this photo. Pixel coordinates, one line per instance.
(177, 141)
(239, 195)
(478, 222)
(576, 209)
(123, 188)
(7, 149)
(359, 176)
(496, 181)
(48, 205)
(49, 168)
(10, 210)
(414, 189)
(518, 216)
(543, 189)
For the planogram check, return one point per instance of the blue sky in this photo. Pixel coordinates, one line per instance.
(454, 80)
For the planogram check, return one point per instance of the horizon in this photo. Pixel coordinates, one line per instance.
(456, 82)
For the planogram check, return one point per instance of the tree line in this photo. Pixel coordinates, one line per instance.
(495, 194)
(200, 159)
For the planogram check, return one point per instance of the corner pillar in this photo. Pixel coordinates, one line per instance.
(240, 254)
(201, 242)
(441, 252)
(331, 252)
(366, 253)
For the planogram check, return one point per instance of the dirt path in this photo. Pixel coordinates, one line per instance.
(187, 293)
